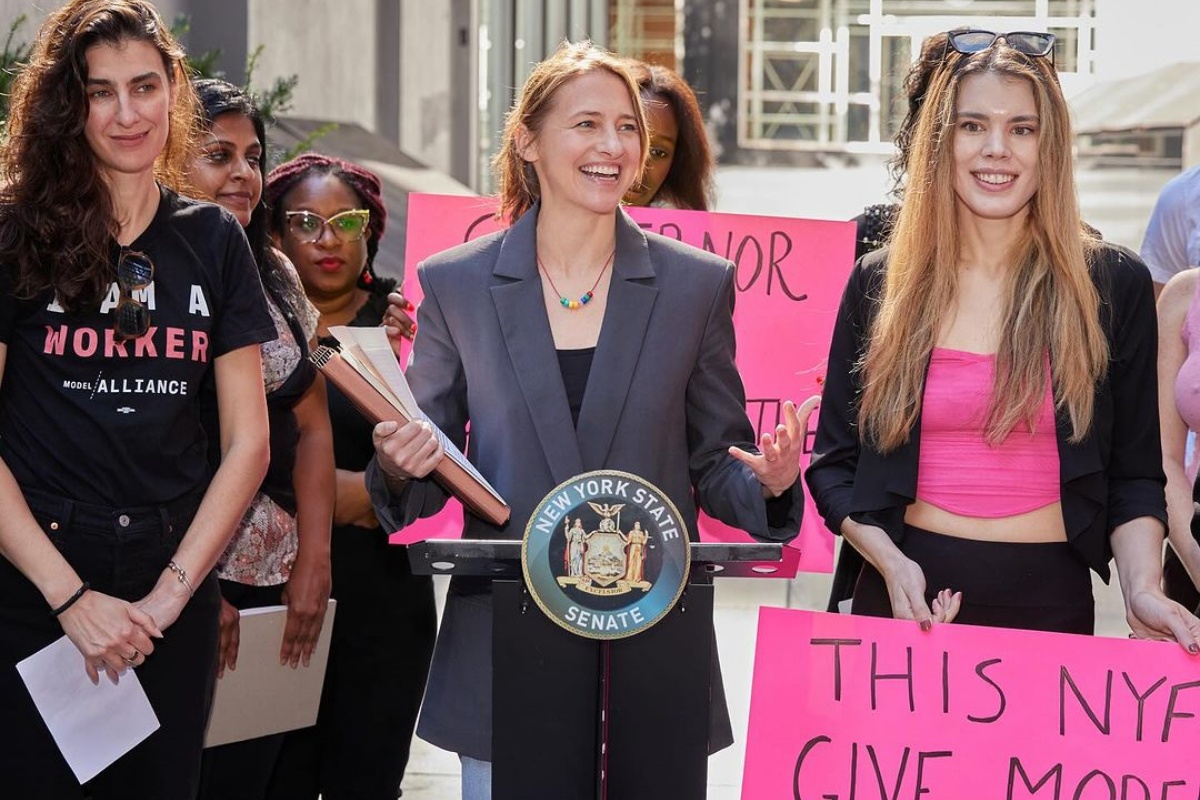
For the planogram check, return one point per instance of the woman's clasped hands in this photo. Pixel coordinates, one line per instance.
(112, 634)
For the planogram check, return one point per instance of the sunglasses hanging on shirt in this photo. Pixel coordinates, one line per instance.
(135, 271)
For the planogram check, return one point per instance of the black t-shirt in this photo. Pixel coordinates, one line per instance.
(89, 417)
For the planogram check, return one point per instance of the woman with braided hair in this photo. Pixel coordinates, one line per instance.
(327, 217)
(875, 223)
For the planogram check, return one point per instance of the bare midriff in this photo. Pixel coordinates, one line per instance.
(1040, 525)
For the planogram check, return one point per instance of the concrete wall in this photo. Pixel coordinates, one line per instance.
(329, 45)
(404, 69)
(1133, 38)
(10, 9)
(36, 10)
(387, 65)
(210, 24)
(427, 87)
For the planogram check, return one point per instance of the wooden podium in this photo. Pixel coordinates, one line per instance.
(635, 731)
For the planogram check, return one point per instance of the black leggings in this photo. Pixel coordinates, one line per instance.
(1039, 586)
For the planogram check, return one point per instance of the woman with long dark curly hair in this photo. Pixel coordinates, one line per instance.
(118, 299)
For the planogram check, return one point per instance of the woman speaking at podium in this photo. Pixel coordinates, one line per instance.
(574, 341)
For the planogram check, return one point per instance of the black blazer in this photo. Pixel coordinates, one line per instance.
(1110, 477)
(664, 401)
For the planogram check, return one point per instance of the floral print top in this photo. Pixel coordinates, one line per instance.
(264, 548)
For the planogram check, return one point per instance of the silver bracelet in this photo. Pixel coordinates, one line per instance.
(181, 573)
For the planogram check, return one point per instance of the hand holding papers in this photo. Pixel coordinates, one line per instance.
(92, 724)
(366, 371)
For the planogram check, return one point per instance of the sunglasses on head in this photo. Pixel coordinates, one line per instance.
(135, 271)
(1031, 43)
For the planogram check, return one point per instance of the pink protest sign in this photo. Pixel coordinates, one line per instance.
(858, 708)
(790, 275)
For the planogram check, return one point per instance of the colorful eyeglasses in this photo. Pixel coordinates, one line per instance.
(347, 226)
(131, 318)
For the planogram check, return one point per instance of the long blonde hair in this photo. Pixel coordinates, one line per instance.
(1050, 306)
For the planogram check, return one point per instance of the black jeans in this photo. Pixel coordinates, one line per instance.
(121, 552)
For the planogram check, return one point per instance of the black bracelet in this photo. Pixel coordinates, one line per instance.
(71, 600)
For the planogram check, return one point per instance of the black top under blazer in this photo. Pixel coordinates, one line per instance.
(664, 401)
(1112, 476)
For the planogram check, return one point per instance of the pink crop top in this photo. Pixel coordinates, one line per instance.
(1187, 382)
(958, 471)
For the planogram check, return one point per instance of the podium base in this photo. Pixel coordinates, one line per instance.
(579, 719)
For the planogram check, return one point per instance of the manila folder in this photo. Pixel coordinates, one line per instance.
(262, 697)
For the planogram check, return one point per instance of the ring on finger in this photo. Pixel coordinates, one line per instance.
(133, 658)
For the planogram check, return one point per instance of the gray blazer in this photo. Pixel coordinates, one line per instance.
(664, 401)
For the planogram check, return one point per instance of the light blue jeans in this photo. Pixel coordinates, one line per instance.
(476, 778)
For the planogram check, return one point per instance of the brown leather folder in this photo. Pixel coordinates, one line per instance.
(454, 472)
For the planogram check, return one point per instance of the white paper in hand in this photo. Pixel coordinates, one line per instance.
(93, 726)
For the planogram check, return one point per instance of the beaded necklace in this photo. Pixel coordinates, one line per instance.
(566, 302)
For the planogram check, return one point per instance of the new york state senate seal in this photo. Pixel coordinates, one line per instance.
(605, 554)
